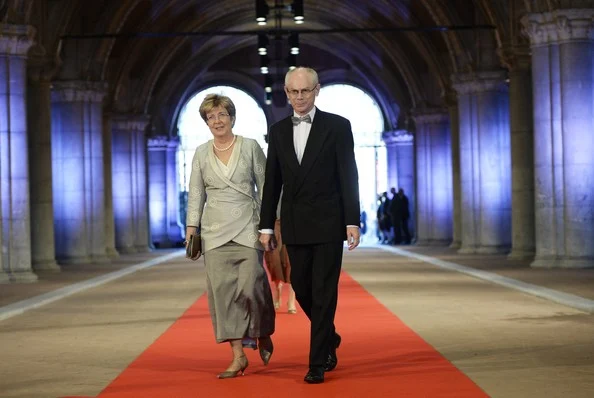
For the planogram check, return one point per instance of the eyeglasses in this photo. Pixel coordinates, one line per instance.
(304, 92)
(219, 116)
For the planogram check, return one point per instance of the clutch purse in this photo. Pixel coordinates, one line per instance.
(194, 247)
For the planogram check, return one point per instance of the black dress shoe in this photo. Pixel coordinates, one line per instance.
(332, 359)
(314, 376)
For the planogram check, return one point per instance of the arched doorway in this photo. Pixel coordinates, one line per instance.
(193, 131)
(367, 122)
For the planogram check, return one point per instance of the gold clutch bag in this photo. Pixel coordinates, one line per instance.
(194, 247)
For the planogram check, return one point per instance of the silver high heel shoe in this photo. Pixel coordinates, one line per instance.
(243, 364)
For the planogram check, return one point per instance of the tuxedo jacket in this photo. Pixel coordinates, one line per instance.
(320, 195)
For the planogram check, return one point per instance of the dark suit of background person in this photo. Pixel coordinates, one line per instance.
(320, 209)
(400, 215)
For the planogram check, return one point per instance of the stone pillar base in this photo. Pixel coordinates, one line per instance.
(100, 259)
(4, 278)
(580, 262)
(440, 242)
(544, 262)
(23, 277)
(74, 260)
(143, 249)
(455, 244)
(112, 252)
(127, 250)
(47, 265)
(423, 242)
(492, 249)
(562, 262)
(433, 242)
(467, 250)
(518, 254)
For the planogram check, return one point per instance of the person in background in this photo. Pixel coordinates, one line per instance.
(400, 215)
(279, 268)
(385, 219)
(363, 226)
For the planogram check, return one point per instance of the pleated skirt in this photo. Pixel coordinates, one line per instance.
(239, 296)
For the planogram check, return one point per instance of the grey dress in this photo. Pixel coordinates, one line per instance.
(224, 201)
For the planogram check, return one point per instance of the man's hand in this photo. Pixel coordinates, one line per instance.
(268, 241)
(353, 237)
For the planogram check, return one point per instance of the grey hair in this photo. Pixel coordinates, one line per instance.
(313, 74)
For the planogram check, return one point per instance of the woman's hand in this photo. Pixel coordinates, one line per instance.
(189, 232)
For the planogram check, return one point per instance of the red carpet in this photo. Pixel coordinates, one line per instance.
(379, 356)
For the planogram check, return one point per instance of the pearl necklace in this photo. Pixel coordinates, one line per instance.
(224, 149)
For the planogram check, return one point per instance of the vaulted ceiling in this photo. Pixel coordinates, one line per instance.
(403, 70)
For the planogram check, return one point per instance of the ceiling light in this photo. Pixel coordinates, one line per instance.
(262, 44)
(264, 62)
(261, 12)
(268, 83)
(294, 43)
(292, 61)
(297, 7)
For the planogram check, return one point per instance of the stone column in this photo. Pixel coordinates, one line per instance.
(517, 60)
(40, 163)
(15, 236)
(78, 183)
(434, 177)
(485, 161)
(392, 162)
(107, 172)
(176, 228)
(452, 104)
(157, 166)
(562, 48)
(130, 196)
(160, 183)
(405, 155)
(401, 152)
(143, 241)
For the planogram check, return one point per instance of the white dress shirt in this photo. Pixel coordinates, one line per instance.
(301, 134)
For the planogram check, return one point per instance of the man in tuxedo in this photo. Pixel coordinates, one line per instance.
(311, 157)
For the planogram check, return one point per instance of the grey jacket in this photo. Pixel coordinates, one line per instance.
(227, 208)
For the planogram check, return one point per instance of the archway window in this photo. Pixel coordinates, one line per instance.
(367, 123)
(250, 122)
(359, 107)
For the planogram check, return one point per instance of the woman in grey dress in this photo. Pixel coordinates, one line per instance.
(224, 205)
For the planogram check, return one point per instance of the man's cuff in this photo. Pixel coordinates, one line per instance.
(355, 226)
(266, 231)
